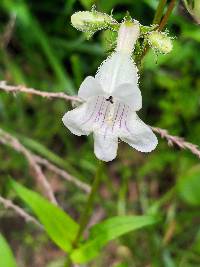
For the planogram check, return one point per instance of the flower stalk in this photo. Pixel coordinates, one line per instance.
(85, 217)
(159, 11)
(162, 24)
(167, 15)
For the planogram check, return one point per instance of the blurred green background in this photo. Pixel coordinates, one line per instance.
(45, 52)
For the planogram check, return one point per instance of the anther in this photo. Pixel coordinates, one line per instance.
(110, 99)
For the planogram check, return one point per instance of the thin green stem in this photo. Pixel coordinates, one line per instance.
(162, 201)
(85, 217)
(162, 23)
(68, 262)
(159, 12)
(90, 203)
(122, 196)
(167, 15)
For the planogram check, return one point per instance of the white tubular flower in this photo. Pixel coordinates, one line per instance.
(111, 99)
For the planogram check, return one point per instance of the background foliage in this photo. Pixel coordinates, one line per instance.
(47, 53)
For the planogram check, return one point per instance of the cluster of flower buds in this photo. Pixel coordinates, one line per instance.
(93, 21)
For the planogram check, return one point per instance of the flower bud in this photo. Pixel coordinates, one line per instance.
(127, 36)
(160, 42)
(91, 21)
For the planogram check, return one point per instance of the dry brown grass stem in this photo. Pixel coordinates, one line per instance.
(62, 173)
(16, 145)
(9, 205)
(178, 141)
(7, 139)
(32, 91)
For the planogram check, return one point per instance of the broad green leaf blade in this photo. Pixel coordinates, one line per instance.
(106, 231)
(6, 256)
(189, 186)
(60, 227)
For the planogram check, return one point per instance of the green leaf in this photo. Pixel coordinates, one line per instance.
(106, 231)
(60, 227)
(87, 3)
(6, 256)
(189, 186)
